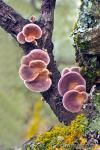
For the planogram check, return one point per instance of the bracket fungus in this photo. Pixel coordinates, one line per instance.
(36, 54)
(80, 88)
(76, 69)
(66, 70)
(41, 83)
(72, 87)
(29, 73)
(73, 100)
(31, 32)
(21, 38)
(69, 81)
(33, 71)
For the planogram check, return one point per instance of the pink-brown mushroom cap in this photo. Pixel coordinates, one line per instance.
(73, 100)
(36, 54)
(76, 69)
(29, 73)
(80, 88)
(26, 73)
(20, 38)
(69, 81)
(31, 32)
(32, 18)
(64, 71)
(41, 83)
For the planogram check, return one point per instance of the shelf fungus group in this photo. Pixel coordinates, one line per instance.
(33, 71)
(30, 33)
(72, 87)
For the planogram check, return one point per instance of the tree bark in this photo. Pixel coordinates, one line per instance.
(12, 22)
(87, 46)
(87, 41)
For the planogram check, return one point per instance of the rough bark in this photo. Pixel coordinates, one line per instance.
(87, 41)
(87, 46)
(12, 22)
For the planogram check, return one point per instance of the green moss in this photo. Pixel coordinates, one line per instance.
(62, 136)
(95, 123)
(83, 46)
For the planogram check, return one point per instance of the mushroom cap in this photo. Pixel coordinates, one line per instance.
(69, 81)
(76, 69)
(36, 54)
(41, 83)
(80, 88)
(73, 100)
(29, 73)
(20, 38)
(64, 71)
(25, 73)
(32, 18)
(31, 32)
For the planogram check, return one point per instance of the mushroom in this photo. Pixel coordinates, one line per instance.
(20, 38)
(80, 88)
(64, 71)
(76, 69)
(36, 54)
(69, 81)
(73, 100)
(32, 18)
(41, 83)
(29, 73)
(31, 32)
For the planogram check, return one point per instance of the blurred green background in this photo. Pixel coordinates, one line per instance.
(20, 109)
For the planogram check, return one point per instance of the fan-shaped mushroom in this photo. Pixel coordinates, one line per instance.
(41, 83)
(69, 81)
(31, 32)
(20, 38)
(64, 71)
(80, 88)
(73, 100)
(76, 69)
(29, 73)
(36, 54)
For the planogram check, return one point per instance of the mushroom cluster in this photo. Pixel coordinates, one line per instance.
(29, 33)
(33, 71)
(72, 87)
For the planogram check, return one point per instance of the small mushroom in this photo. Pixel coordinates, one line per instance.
(36, 54)
(64, 71)
(80, 88)
(73, 100)
(21, 38)
(69, 81)
(76, 69)
(41, 83)
(31, 32)
(32, 19)
(25, 73)
(29, 73)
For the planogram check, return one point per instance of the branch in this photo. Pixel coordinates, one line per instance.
(12, 22)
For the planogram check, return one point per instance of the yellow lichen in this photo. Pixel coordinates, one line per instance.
(96, 147)
(67, 134)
